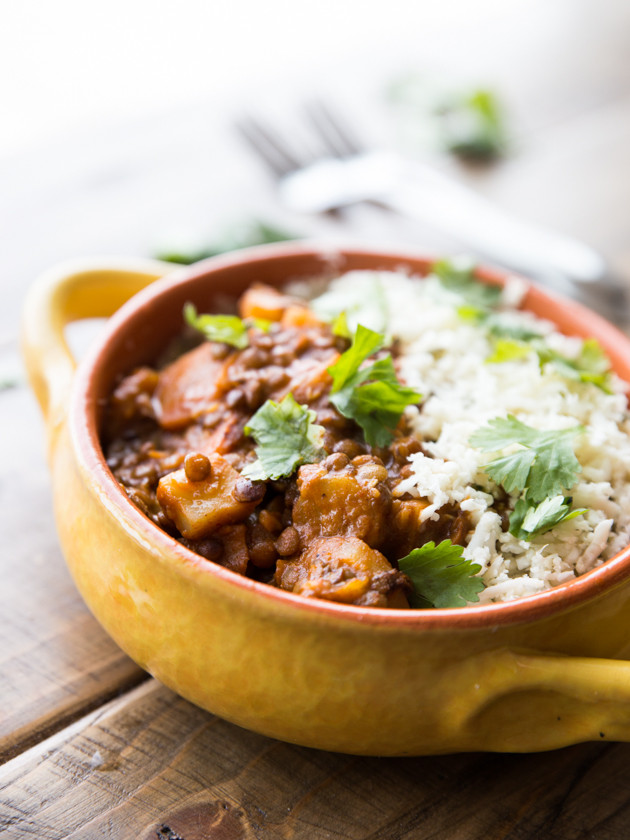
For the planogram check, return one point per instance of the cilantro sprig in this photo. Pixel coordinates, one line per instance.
(591, 365)
(441, 576)
(473, 125)
(477, 297)
(526, 520)
(226, 329)
(544, 466)
(508, 350)
(247, 233)
(287, 437)
(372, 396)
(541, 470)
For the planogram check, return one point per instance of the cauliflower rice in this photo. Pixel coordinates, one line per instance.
(445, 357)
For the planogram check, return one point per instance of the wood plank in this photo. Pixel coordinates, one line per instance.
(55, 660)
(153, 766)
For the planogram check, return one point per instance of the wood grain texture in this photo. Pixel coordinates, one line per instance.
(55, 661)
(154, 766)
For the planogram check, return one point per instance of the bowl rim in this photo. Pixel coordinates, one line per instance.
(85, 438)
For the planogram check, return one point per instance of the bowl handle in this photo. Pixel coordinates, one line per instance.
(523, 701)
(70, 292)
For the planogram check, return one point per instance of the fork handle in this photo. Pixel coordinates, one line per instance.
(434, 199)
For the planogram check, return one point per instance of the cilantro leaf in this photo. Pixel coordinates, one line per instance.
(592, 365)
(473, 125)
(227, 329)
(526, 521)
(372, 396)
(251, 232)
(508, 350)
(514, 341)
(503, 431)
(286, 436)
(477, 296)
(261, 324)
(512, 471)
(364, 344)
(472, 314)
(440, 575)
(552, 464)
(499, 327)
(556, 467)
(340, 326)
(376, 405)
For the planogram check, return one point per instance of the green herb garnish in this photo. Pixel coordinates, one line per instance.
(440, 575)
(499, 327)
(227, 329)
(526, 520)
(508, 350)
(340, 326)
(541, 471)
(544, 466)
(372, 396)
(591, 366)
(472, 126)
(252, 233)
(261, 324)
(8, 384)
(287, 437)
(477, 297)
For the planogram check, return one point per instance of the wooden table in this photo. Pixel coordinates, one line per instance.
(92, 746)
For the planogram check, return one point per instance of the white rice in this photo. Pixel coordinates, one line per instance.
(445, 358)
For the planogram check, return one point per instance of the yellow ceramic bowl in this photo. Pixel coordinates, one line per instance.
(534, 674)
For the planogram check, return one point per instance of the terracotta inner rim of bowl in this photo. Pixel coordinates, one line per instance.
(143, 326)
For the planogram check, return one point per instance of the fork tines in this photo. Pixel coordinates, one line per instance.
(268, 145)
(332, 139)
(336, 137)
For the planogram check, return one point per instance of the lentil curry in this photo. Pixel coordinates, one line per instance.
(182, 441)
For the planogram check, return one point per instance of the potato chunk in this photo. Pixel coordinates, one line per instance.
(343, 569)
(198, 508)
(342, 498)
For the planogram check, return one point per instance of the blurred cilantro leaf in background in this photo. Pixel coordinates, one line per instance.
(470, 123)
(254, 232)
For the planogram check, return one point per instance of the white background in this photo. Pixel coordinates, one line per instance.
(68, 64)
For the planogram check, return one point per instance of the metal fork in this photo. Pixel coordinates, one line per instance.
(334, 138)
(337, 171)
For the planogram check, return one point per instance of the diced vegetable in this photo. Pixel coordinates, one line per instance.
(264, 302)
(188, 387)
(199, 508)
(342, 569)
(352, 500)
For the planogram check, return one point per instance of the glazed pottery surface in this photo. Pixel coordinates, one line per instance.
(534, 674)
